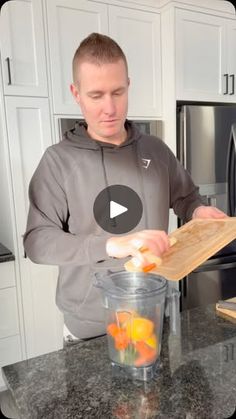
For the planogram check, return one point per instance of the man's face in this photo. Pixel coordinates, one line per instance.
(102, 93)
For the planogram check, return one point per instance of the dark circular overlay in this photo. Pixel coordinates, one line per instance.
(116, 197)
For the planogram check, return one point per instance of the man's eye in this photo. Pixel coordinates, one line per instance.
(95, 95)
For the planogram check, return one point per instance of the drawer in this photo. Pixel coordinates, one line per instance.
(7, 274)
(8, 313)
(10, 352)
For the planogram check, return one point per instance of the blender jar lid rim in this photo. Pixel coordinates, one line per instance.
(139, 291)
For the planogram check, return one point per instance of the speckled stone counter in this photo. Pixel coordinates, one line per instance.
(196, 377)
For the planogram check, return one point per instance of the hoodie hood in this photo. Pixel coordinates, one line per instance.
(78, 137)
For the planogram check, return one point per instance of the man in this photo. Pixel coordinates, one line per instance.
(106, 150)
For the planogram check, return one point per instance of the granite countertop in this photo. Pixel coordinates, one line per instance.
(196, 377)
(5, 254)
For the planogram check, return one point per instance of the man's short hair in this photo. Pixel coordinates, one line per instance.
(97, 49)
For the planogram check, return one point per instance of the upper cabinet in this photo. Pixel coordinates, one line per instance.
(231, 58)
(205, 61)
(138, 34)
(22, 44)
(70, 21)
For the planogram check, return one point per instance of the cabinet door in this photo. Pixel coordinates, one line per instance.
(29, 133)
(138, 34)
(200, 56)
(69, 21)
(23, 48)
(8, 313)
(7, 274)
(231, 57)
(10, 352)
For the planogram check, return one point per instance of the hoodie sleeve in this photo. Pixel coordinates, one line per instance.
(184, 194)
(46, 239)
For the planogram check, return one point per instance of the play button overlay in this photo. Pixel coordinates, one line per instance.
(117, 209)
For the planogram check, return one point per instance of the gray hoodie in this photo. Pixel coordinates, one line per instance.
(61, 229)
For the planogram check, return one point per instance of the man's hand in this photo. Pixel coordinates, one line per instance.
(208, 212)
(155, 240)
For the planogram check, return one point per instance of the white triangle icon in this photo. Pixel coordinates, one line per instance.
(116, 209)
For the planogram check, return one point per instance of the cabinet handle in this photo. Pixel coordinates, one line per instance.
(8, 70)
(226, 84)
(211, 200)
(232, 78)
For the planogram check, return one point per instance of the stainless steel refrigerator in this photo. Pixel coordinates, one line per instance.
(206, 146)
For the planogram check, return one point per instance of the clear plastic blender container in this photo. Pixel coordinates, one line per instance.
(134, 310)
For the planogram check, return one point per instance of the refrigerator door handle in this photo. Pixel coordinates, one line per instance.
(216, 267)
(226, 84)
(211, 200)
(232, 78)
(182, 137)
(231, 171)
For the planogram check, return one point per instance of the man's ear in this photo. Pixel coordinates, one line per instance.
(75, 92)
(128, 81)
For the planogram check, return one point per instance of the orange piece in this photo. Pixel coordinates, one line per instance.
(125, 316)
(143, 249)
(144, 349)
(112, 329)
(152, 341)
(149, 267)
(140, 361)
(139, 328)
(121, 340)
(147, 354)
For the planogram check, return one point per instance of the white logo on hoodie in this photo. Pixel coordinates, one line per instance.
(146, 163)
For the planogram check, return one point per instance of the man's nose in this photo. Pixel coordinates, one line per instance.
(109, 105)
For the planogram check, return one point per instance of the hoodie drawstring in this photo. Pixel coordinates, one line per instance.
(113, 221)
(140, 175)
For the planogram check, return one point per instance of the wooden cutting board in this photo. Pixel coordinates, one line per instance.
(229, 314)
(197, 241)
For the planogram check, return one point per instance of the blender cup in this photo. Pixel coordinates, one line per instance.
(134, 310)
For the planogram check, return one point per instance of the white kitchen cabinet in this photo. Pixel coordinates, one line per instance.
(205, 58)
(10, 352)
(70, 21)
(8, 301)
(200, 56)
(22, 46)
(10, 342)
(7, 275)
(29, 133)
(8, 312)
(231, 57)
(138, 34)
